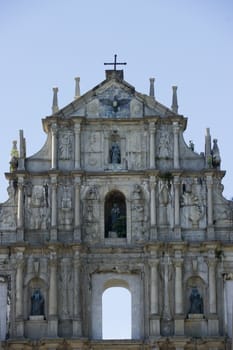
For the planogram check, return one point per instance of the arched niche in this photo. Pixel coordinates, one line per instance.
(35, 293)
(195, 296)
(117, 316)
(115, 215)
(115, 149)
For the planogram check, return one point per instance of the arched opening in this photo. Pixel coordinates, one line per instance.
(116, 313)
(115, 215)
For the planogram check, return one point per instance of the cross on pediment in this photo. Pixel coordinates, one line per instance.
(115, 63)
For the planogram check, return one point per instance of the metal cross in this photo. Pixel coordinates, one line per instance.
(115, 63)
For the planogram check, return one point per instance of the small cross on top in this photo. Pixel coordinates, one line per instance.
(115, 63)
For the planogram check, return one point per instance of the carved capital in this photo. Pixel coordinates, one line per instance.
(152, 127)
(176, 127)
(178, 262)
(154, 263)
(54, 128)
(228, 276)
(77, 128)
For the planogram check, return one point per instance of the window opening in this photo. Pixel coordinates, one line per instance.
(116, 313)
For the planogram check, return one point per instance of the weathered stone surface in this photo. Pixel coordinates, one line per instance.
(115, 148)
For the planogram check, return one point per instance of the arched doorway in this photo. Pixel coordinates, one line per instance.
(115, 215)
(116, 313)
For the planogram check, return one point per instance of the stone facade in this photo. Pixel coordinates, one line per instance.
(116, 197)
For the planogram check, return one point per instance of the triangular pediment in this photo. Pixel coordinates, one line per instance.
(114, 99)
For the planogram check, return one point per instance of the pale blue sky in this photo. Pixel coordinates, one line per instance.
(46, 43)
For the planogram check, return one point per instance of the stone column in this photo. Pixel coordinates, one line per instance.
(77, 146)
(210, 229)
(212, 286)
(176, 145)
(77, 325)
(154, 299)
(153, 232)
(166, 273)
(210, 199)
(53, 231)
(177, 200)
(178, 286)
(19, 293)
(177, 207)
(54, 146)
(52, 317)
(152, 144)
(77, 232)
(20, 210)
(213, 323)
(179, 317)
(65, 268)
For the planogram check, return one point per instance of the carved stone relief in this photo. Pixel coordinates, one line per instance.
(65, 206)
(222, 208)
(65, 145)
(114, 103)
(91, 213)
(139, 214)
(165, 191)
(65, 282)
(164, 143)
(8, 211)
(192, 203)
(37, 212)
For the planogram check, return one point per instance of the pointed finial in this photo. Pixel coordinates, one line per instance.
(55, 100)
(174, 100)
(77, 87)
(152, 88)
(208, 156)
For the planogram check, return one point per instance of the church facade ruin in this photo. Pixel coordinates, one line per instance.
(116, 197)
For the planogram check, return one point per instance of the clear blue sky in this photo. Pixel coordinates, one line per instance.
(46, 43)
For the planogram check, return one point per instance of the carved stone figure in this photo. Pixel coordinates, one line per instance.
(165, 199)
(115, 214)
(196, 302)
(164, 145)
(65, 146)
(66, 207)
(37, 303)
(192, 207)
(115, 154)
(216, 159)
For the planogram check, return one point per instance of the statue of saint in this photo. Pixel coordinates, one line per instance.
(37, 303)
(115, 214)
(196, 302)
(115, 154)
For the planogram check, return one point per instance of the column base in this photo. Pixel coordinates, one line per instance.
(53, 328)
(179, 325)
(153, 233)
(20, 235)
(20, 328)
(53, 234)
(77, 234)
(77, 328)
(210, 233)
(213, 327)
(177, 233)
(155, 325)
